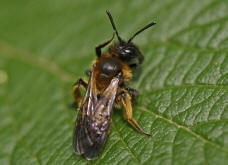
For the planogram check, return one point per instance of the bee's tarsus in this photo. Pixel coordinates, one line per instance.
(136, 126)
(127, 111)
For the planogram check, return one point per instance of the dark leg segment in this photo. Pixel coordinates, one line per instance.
(76, 90)
(88, 72)
(99, 47)
(133, 93)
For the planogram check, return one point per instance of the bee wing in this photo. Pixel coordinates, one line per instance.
(94, 118)
(87, 105)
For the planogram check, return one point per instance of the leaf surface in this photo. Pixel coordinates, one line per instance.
(183, 83)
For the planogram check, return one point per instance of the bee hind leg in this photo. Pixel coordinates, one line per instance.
(76, 91)
(127, 111)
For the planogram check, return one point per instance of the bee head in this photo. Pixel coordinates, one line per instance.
(127, 51)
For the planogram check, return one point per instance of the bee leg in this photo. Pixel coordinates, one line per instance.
(76, 91)
(133, 93)
(99, 47)
(88, 72)
(127, 111)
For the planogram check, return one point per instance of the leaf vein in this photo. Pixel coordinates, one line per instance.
(125, 144)
(201, 138)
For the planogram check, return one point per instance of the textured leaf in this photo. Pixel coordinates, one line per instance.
(46, 45)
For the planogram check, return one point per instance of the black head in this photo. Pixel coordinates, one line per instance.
(127, 51)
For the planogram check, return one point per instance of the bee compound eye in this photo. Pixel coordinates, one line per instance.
(127, 51)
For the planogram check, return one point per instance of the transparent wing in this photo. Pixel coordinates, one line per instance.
(94, 118)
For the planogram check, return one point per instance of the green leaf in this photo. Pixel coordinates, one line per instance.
(46, 45)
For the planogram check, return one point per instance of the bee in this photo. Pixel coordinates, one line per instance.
(108, 78)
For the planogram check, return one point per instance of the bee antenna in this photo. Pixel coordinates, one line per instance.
(141, 30)
(113, 25)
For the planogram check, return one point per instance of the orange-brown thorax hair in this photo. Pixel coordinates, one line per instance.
(101, 81)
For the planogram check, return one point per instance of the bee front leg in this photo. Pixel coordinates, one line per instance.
(99, 47)
(125, 99)
(76, 90)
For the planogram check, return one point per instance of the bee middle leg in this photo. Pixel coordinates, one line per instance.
(133, 93)
(88, 72)
(125, 99)
(76, 90)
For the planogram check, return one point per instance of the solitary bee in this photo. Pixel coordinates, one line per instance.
(108, 77)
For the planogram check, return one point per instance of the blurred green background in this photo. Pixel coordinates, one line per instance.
(46, 45)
